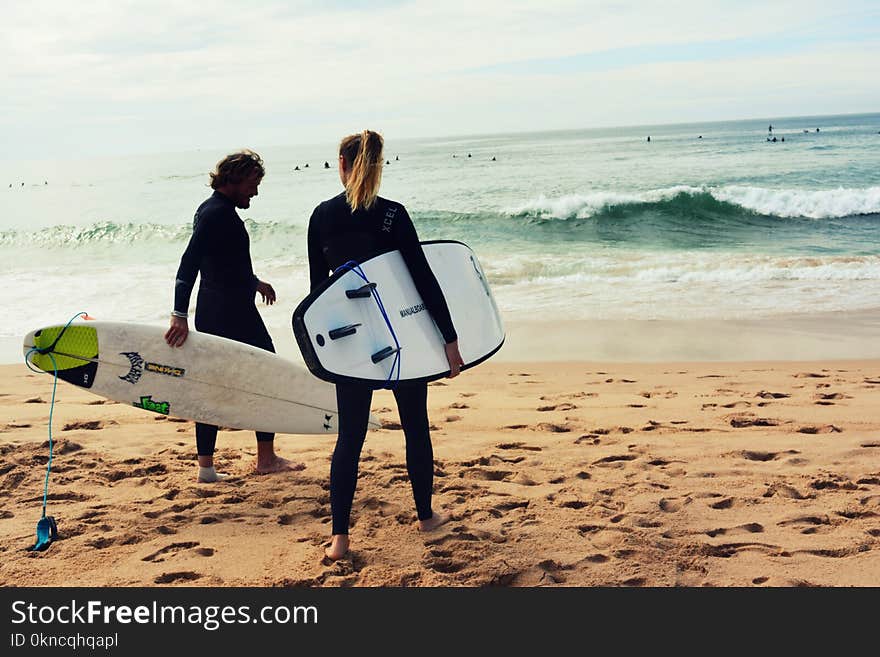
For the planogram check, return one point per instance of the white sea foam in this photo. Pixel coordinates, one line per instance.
(814, 204)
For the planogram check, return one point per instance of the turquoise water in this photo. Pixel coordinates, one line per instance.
(576, 224)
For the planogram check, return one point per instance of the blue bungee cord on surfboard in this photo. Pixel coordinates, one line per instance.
(47, 528)
(395, 365)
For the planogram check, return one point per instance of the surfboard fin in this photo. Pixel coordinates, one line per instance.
(343, 331)
(362, 292)
(383, 354)
(47, 531)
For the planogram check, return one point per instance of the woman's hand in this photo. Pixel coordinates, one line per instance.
(454, 359)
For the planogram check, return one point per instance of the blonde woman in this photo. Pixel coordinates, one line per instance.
(352, 226)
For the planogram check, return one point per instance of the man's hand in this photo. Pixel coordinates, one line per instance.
(176, 335)
(454, 359)
(267, 292)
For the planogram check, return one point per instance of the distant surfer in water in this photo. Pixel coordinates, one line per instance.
(219, 250)
(352, 226)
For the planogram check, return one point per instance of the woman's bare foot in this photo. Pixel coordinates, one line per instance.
(277, 464)
(338, 547)
(434, 522)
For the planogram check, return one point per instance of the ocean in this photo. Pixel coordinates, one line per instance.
(704, 221)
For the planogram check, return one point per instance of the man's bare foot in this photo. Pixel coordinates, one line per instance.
(434, 522)
(338, 547)
(210, 475)
(278, 464)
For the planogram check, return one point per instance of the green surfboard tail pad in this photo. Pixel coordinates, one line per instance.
(75, 353)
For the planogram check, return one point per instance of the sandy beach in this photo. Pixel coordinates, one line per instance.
(556, 473)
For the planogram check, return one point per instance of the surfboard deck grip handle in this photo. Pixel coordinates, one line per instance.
(343, 331)
(383, 354)
(363, 292)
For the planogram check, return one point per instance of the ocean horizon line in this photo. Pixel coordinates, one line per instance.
(439, 137)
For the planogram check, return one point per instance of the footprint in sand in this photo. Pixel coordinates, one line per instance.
(15, 425)
(819, 428)
(149, 471)
(751, 455)
(552, 427)
(93, 425)
(485, 474)
(170, 578)
(742, 421)
(784, 490)
(557, 407)
(523, 479)
(519, 446)
(831, 395)
(672, 505)
(749, 528)
(615, 459)
(160, 555)
(444, 565)
(772, 395)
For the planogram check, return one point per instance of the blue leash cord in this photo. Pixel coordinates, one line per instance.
(46, 527)
(356, 268)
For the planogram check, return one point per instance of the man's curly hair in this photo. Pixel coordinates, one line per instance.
(237, 167)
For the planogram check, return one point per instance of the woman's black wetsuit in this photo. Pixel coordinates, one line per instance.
(336, 236)
(220, 249)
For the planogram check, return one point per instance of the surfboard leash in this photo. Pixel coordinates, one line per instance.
(47, 529)
(395, 365)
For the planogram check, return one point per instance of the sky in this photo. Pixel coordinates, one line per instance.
(106, 78)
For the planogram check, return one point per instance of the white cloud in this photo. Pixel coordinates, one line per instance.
(169, 74)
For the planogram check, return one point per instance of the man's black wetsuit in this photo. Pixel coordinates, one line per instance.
(220, 249)
(336, 236)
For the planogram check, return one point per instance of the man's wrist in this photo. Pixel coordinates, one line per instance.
(181, 315)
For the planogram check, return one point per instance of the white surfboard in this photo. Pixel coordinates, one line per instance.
(343, 335)
(209, 379)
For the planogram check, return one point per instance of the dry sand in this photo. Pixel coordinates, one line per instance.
(555, 473)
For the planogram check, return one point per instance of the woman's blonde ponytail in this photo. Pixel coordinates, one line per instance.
(363, 159)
